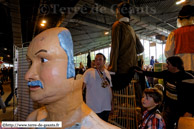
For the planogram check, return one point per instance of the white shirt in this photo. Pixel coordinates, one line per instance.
(125, 19)
(97, 98)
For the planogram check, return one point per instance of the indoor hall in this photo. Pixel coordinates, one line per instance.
(90, 24)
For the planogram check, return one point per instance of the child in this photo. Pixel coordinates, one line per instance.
(151, 100)
(160, 87)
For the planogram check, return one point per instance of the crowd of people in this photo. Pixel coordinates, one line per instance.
(173, 94)
(177, 87)
(52, 83)
(6, 76)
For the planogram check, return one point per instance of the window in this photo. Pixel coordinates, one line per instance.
(156, 50)
(106, 54)
(146, 52)
(159, 50)
(92, 55)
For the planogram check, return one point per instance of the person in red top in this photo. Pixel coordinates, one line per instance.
(180, 42)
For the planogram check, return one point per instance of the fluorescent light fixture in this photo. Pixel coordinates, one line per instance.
(179, 2)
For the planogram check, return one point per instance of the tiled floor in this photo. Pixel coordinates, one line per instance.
(8, 116)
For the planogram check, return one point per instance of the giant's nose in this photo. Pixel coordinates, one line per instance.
(31, 74)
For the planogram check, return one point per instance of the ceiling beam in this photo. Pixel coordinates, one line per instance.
(65, 18)
(90, 22)
(134, 20)
(87, 41)
(93, 46)
(149, 1)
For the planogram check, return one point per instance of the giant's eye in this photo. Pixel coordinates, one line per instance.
(29, 62)
(43, 60)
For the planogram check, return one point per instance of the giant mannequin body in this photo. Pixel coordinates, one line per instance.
(180, 42)
(123, 48)
(51, 82)
(123, 54)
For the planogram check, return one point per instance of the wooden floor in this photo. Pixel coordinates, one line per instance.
(8, 116)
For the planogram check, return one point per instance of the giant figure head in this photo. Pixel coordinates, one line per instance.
(123, 10)
(51, 70)
(186, 16)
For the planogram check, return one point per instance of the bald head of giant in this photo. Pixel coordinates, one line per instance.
(50, 55)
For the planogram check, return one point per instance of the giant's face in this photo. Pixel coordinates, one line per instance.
(48, 65)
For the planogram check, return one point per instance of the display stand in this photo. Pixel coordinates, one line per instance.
(158, 67)
(125, 110)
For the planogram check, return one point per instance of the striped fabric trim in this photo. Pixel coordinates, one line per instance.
(171, 87)
(191, 81)
(171, 96)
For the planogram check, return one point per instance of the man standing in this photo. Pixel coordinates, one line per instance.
(152, 61)
(98, 88)
(8, 99)
(123, 48)
(88, 61)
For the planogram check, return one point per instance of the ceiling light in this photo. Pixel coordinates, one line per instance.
(5, 49)
(42, 24)
(8, 55)
(106, 33)
(179, 2)
(43, 21)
